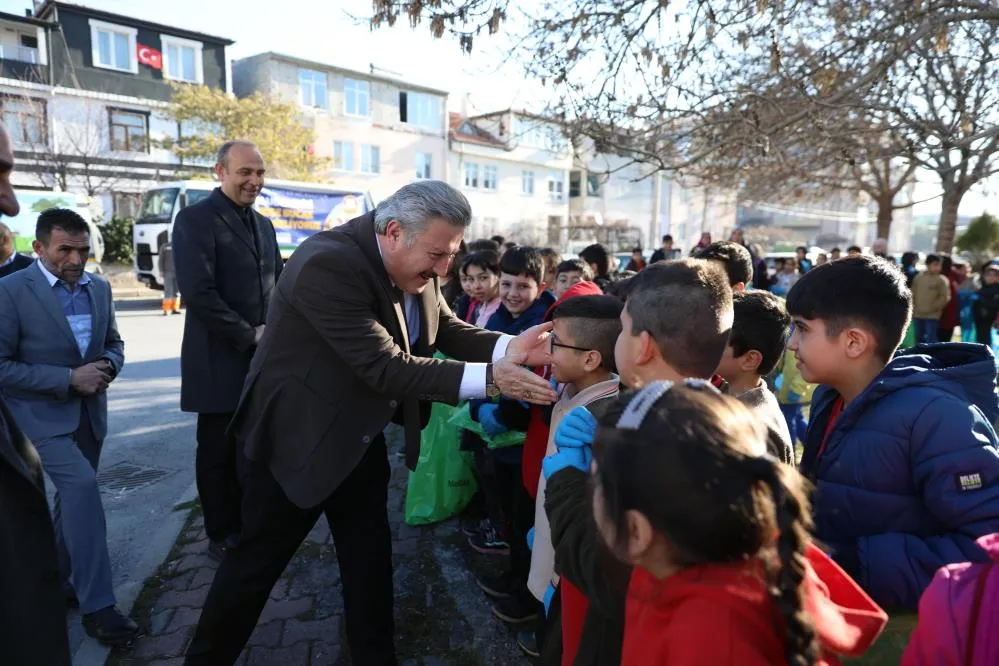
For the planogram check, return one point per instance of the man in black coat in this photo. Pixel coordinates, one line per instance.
(227, 261)
(10, 261)
(32, 606)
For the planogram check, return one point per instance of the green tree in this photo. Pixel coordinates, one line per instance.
(209, 117)
(117, 235)
(981, 238)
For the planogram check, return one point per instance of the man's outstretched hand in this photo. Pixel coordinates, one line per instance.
(519, 383)
(533, 345)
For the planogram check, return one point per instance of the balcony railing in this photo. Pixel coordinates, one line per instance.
(19, 54)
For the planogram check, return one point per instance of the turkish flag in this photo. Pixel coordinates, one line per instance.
(149, 56)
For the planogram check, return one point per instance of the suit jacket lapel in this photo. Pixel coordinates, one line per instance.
(229, 216)
(363, 231)
(43, 291)
(429, 315)
(97, 319)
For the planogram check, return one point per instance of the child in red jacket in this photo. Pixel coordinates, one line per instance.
(718, 534)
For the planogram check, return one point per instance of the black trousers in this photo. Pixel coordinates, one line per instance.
(273, 529)
(519, 508)
(216, 471)
(983, 331)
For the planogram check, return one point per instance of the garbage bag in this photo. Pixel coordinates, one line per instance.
(443, 482)
(462, 418)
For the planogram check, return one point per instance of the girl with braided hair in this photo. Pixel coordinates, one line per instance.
(718, 534)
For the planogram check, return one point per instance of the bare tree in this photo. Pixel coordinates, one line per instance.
(743, 84)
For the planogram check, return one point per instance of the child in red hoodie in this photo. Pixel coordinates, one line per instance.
(717, 531)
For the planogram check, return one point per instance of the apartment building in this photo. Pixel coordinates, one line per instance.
(80, 92)
(513, 167)
(379, 132)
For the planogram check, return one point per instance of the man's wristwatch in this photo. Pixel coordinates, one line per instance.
(492, 391)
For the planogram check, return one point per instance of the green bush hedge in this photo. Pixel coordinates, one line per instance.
(117, 240)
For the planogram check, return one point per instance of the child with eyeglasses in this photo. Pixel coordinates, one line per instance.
(718, 535)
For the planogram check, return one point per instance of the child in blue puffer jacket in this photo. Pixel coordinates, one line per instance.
(901, 447)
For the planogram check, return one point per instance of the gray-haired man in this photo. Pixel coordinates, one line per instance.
(351, 333)
(227, 261)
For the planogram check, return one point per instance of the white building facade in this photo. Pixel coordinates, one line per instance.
(379, 133)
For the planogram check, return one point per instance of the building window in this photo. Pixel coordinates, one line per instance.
(471, 175)
(420, 110)
(527, 183)
(423, 163)
(489, 178)
(113, 46)
(25, 120)
(593, 185)
(312, 88)
(182, 59)
(129, 131)
(343, 155)
(370, 159)
(356, 98)
(556, 186)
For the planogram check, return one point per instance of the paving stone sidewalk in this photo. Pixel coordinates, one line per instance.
(441, 617)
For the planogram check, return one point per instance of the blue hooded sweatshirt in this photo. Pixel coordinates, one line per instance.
(910, 474)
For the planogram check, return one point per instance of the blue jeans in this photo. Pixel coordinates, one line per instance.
(926, 330)
(796, 423)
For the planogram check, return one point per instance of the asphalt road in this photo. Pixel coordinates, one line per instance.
(147, 463)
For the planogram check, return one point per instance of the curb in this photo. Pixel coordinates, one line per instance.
(92, 653)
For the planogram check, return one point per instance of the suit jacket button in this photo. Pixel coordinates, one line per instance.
(366, 439)
(393, 404)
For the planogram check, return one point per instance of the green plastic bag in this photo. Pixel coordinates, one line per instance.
(462, 418)
(443, 483)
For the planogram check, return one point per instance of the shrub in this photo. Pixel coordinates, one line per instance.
(117, 240)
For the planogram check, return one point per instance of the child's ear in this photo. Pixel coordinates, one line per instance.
(640, 535)
(593, 360)
(750, 361)
(858, 342)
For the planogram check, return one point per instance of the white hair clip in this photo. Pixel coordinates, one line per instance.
(636, 411)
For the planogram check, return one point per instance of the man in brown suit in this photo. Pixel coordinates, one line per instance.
(351, 330)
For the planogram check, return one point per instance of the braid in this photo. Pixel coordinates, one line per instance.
(792, 524)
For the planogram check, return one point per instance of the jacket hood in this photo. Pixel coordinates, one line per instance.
(963, 369)
(847, 621)
(585, 288)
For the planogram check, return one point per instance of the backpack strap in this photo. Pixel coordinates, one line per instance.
(976, 607)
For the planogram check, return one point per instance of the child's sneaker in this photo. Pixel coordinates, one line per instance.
(517, 610)
(472, 526)
(527, 641)
(497, 587)
(489, 542)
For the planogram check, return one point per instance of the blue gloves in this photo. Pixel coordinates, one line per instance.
(549, 596)
(793, 398)
(573, 438)
(489, 420)
(530, 539)
(576, 430)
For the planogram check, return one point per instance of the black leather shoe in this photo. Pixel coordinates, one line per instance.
(218, 549)
(110, 627)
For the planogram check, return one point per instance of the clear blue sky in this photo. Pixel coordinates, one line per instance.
(324, 31)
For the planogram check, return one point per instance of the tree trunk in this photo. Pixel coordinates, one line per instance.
(948, 220)
(886, 207)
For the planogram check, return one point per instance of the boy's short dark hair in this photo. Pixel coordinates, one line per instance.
(621, 288)
(667, 237)
(595, 323)
(761, 323)
(483, 244)
(487, 260)
(597, 254)
(59, 218)
(499, 240)
(736, 259)
(854, 248)
(859, 291)
(523, 260)
(686, 306)
(836, 249)
(575, 266)
(933, 259)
